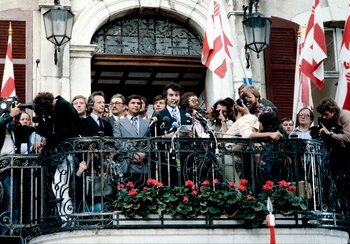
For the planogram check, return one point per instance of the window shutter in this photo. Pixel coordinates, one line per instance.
(280, 65)
(18, 53)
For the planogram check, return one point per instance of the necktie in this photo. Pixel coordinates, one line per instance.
(101, 123)
(134, 121)
(174, 114)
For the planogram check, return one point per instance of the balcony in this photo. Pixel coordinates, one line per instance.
(49, 198)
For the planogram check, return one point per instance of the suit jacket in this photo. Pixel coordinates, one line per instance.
(4, 120)
(66, 121)
(164, 127)
(124, 128)
(91, 128)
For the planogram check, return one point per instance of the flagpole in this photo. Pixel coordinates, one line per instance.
(8, 80)
(342, 96)
(297, 80)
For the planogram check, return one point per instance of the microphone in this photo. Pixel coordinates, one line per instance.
(198, 114)
(175, 101)
(166, 120)
(154, 119)
(173, 127)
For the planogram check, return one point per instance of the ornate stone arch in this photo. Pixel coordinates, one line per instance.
(98, 13)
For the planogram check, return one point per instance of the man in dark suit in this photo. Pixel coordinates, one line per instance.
(172, 118)
(173, 122)
(95, 124)
(132, 126)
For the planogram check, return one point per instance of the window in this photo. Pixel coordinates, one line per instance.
(147, 36)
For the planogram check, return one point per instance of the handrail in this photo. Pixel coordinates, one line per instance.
(58, 195)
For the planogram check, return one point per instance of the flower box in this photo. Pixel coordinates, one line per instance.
(175, 220)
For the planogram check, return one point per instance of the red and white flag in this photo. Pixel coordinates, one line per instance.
(8, 79)
(217, 49)
(342, 96)
(302, 86)
(314, 47)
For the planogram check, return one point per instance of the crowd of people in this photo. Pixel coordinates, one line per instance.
(174, 115)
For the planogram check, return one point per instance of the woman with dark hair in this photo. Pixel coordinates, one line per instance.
(219, 121)
(57, 118)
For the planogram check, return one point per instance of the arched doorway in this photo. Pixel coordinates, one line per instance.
(140, 55)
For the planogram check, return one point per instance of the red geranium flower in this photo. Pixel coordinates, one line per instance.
(283, 183)
(267, 188)
(132, 192)
(189, 183)
(269, 183)
(159, 184)
(130, 184)
(185, 199)
(151, 182)
(244, 182)
(292, 188)
(249, 197)
(206, 183)
(242, 188)
(232, 185)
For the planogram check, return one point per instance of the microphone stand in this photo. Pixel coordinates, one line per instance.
(156, 154)
(177, 156)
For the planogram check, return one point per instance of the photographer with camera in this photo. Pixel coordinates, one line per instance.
(218, 121)
(334, 125)
(335, 131)
(58, 120)
(8, 146)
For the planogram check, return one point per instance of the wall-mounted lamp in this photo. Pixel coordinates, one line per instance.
(256, 28)
(58, 22)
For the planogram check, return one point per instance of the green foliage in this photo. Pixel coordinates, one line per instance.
(211, 199)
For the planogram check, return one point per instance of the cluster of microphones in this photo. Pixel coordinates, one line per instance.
(165, 121)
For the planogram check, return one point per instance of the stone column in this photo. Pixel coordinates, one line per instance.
(80, 57)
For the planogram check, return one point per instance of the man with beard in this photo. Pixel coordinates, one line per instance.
(190, 102)
(257, 106)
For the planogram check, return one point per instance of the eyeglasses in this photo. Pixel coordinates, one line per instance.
(223, 111)
(303, 115)
(116, 103)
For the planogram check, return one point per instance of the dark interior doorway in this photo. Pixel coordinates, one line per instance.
(145, 75)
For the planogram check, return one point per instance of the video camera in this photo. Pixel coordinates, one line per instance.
(10, 102)
(243, 100)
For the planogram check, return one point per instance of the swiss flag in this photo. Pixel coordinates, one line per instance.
(314, 48)
(8, 79)
(302, 86)
(342, 96)
(218, 40)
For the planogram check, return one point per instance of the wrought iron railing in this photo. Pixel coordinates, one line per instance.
(50, 194)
